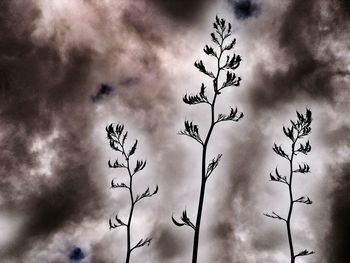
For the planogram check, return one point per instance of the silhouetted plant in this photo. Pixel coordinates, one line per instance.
(117, 138)
(223, 43)
(298, 130)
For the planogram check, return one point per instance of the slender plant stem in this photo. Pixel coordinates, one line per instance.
(128, 226)
(291, 203)
(117, 141)
(204, 164)
(198, 223)
(299, 129)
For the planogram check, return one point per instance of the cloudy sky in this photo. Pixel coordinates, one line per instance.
(69, 68)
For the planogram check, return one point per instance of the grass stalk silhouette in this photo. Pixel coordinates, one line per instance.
(223, 42)
(117, 138)
(298, 130)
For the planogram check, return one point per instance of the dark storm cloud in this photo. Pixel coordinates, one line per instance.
(133, 19)
(19, 107)
(47, 79)
(222, 233)
(222, 230)
(244, 9)
(336, 243)
(338, 137)
(345, 7)
(77, 254)
(337, 240)
(239, 202)
(253, 148)
(103, 91)
(305, 74)
(39, 95)
(183, 11)
(167, 243)
(66, 199)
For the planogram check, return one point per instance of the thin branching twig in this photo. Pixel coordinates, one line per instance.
(117, 138)
(222, 44)
(298, 130)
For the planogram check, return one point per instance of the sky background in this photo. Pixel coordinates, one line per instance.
(69, 68)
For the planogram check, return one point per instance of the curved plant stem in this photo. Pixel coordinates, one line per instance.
(204, 163)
